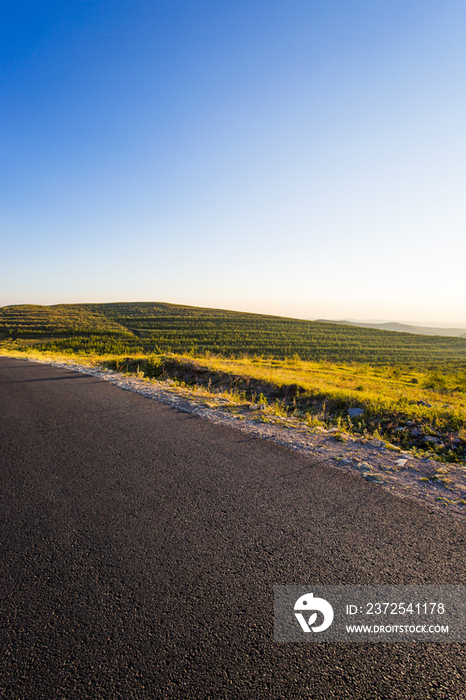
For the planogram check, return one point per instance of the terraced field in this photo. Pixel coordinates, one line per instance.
(146, 327)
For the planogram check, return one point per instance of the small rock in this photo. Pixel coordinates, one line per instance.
(416, 433)
(424, 403)
(355, 412)
(377, 478)
(400, 462)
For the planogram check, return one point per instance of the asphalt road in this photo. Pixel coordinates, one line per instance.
(140, 546)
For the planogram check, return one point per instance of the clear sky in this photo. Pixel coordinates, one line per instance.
(295, 157)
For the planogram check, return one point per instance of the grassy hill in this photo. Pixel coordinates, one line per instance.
(410, 390)
(70, 327)
(147, 327)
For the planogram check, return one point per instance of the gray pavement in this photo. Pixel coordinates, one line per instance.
(140, 547)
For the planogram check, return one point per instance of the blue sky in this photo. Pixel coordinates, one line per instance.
(295, 158)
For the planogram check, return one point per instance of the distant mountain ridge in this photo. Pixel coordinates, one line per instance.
(403, 328)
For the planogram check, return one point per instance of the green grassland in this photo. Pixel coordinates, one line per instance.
(151, 327)
(70, 328)
(411, 388)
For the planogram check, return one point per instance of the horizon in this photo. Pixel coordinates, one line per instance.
(304, 160)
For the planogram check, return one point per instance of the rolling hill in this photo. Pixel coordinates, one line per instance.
(405, 328)
(151, 327)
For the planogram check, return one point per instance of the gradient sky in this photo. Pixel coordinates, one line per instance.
(299, 158)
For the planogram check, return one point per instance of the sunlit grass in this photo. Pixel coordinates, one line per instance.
(129, 328)
(375, 389)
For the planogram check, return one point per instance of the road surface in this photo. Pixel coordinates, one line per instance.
(141, 544)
